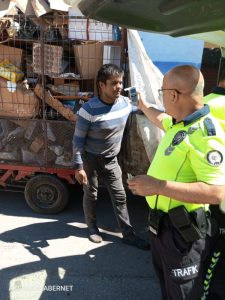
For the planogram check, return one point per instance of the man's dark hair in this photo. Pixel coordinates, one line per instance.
(106, 72)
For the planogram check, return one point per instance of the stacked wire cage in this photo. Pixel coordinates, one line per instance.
(47, 71)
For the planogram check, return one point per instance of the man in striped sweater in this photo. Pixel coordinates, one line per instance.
(96, 144)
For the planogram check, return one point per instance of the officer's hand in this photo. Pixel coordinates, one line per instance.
(81, 176)
(145, 185)
(142, 103)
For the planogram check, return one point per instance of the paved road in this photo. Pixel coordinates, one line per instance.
(49, 256)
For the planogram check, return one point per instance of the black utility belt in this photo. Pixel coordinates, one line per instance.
(191, 226)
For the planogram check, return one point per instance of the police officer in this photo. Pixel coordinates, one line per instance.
(214, 283)
(216, 102)
(186, 175)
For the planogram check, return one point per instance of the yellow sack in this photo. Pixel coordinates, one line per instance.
(10, 72)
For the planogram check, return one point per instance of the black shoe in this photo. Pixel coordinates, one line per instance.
(94, 235)
(136, 241)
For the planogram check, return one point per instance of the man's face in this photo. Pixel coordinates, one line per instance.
(111, 90)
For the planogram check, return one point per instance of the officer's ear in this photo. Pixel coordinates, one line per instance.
(174, 96)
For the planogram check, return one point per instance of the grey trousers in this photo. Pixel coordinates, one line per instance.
(110, 172)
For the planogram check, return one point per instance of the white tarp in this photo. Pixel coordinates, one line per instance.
(147, 79)
(6, 7)
(73, 3)
(59, 5)
(28, 7)
(33, 7)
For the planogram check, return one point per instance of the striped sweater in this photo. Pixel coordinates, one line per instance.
(99, 128)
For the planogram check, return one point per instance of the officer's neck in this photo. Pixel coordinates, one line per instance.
(185, 112)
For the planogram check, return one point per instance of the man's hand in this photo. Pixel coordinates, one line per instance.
(145, 185)
(81, 176)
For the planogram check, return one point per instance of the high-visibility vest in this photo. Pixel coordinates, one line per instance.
(190, 151)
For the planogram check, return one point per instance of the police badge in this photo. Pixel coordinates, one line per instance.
(179, 137)
(214, 157)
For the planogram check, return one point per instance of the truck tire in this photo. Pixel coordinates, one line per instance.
(46, 194)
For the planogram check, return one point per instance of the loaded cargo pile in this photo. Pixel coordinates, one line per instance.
(48, 63)
(49, 56)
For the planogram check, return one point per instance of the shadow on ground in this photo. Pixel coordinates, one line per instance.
(109, 271)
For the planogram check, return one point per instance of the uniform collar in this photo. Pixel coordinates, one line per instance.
(196, 115)
(218, 90)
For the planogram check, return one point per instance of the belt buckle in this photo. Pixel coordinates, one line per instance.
(153, 230)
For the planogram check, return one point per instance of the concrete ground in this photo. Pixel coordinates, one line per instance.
(50, 257)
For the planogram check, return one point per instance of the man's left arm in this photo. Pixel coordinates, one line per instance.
(82, 126)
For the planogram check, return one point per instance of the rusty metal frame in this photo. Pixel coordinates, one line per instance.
(23, 171)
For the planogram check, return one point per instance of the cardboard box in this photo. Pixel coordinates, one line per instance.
(53, 63)
(112, 55)
(21, 104)
(88, 58)
(15, 55)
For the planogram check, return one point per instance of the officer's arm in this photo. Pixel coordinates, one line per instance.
(194, 192)
(153, 114)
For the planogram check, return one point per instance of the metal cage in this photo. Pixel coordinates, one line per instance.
(47, 70)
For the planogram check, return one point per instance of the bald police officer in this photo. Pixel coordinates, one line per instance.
(186, 175)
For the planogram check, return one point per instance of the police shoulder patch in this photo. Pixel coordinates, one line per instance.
(214, 157)
(179, 137)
